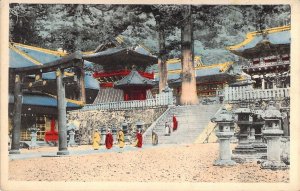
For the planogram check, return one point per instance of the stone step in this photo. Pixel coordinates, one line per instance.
(191, 122)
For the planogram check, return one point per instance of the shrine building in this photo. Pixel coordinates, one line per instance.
(210, 79)
(39, 101)
(122, 74)
(265, 56)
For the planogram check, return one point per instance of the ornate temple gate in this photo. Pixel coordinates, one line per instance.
(72, 61)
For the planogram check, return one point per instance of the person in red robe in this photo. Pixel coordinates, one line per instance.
(139, 138)
(175, 123)
(109, 140)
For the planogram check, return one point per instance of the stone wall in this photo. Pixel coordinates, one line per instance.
(96, 119)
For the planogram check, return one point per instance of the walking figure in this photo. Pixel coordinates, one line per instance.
(121, 138)
(139, 138)
(175, 123)
(154, 138)
(109, 139)
(96, 140)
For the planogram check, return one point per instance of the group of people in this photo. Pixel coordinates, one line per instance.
(168, 126)
(109, 141)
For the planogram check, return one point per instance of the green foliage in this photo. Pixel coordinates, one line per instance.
(85, 26)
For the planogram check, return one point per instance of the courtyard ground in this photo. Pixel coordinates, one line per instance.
(165, 163)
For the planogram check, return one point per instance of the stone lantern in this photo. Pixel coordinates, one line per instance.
(114, 134)
(33, 134)
(272, 132)
(125, 128)
(71, 131)
(244, 150)
(139, 126)
(103, 135)
(225, 131)
(257, 126)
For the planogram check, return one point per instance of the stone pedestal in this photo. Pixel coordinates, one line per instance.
(225, 131)
(33, 136)
(258, 124)
(272, 133)
(225, 151)
(125, 128)
(273, 152)
(72, 142)
(258, 144)
(114, 134)
(244, 151)
(103, 135)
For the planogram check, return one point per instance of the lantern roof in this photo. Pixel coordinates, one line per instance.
(243, 110)
(272, 112)
(134, 79)
(223, 116)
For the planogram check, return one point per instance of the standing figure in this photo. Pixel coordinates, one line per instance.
(96, 140)
(175, 123)
(121, 138)
(109, 139)
(167, 129)
(154, 138)
(139, 138)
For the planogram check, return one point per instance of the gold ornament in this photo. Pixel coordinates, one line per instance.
(58, 72)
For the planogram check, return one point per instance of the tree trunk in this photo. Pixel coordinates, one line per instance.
(162, 58)
(189, 92)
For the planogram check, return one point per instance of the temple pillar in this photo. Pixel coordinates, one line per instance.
(15, 145)
(61, 105)
(274, 85)
(263, 83)
(80, 77)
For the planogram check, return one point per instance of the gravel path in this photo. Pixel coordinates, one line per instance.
(180, 163)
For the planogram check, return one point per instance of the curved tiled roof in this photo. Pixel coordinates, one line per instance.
(24, 55)
(174, 69)
(134, 79)
(15, 58)
(120, 55)
(273, 36)
(91, 82)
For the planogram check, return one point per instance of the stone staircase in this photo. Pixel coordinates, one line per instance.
(191, 122)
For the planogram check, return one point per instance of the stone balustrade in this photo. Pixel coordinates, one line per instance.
(232, 94)
(162, 99)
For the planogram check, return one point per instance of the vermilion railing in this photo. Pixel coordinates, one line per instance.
(121, 73)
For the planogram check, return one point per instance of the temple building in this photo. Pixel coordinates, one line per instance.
(118, 80)
(210, 79)
(266, 57)
(39, 91)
